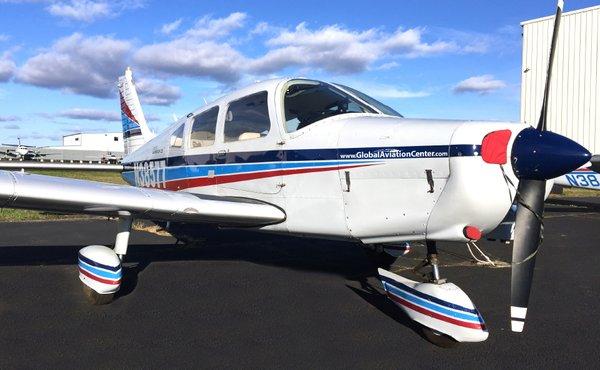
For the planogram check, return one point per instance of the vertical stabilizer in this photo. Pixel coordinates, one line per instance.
(135, 129)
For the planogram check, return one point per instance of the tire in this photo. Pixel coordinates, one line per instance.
(380, 259)
(437, 338)
(96, 298)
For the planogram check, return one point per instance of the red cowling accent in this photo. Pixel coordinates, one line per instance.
(472, 233)
(494, 146)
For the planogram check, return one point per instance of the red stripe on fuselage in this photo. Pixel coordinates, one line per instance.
(94, 277)
(224, 179)
(435, 315)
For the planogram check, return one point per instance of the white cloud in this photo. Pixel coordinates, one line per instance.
(9, 118)
(81, 10)
(157, 92)
(339, 50)
(385, 66)
(7, 67)
(91, 10)
(186, 57)
(169, 28)
(214, 28)
(330, 48)
(479, 84)
(78, 64)
(91, 65)
(4, 37)
(12, 127)
(384, 91)
(90, 114)
(198, 53)
(391, 92)
(409, 44)
(261, 28)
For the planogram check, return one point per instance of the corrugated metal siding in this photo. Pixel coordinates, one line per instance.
(574, 107)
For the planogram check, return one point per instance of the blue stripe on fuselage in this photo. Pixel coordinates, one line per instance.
(316, 154)
(192, 166)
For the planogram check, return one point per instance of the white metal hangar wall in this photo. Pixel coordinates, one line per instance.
(574, 106)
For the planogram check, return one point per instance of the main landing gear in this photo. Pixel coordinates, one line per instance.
(446, 314)
(100, 268)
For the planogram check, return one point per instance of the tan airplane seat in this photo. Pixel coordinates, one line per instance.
(249, 136)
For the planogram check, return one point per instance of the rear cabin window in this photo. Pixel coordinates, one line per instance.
(308, 102)
(247, 118)
(203, 128)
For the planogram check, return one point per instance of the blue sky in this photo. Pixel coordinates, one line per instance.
(59, 59)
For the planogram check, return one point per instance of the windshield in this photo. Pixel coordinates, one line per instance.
(385, 109)
(307, 102)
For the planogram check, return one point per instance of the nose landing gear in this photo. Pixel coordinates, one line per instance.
(445, 312)
(430, 260)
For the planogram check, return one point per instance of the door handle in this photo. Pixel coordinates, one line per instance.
(221, 154)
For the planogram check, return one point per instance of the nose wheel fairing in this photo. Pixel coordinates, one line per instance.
(444, 308)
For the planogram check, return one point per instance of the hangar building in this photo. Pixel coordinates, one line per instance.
(106, 142)
(86, 147)
(574, 106)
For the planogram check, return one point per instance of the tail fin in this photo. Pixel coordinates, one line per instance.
(135, 129)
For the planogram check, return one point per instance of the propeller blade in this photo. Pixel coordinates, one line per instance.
(528, 227)
(544, 113)
(531, 192)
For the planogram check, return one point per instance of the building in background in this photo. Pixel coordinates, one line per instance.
(106, 142)
(574, 105)
(87, 147)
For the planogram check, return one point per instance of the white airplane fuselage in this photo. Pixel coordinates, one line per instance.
(371, 177)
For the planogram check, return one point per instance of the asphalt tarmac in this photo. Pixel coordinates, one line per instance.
(241, 299)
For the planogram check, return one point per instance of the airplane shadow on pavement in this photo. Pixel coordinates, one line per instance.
(324, 256)
(335, 257)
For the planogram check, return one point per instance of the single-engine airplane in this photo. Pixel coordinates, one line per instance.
(21, 151)
(308, 158)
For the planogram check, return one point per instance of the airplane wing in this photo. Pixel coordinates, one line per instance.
(49, 193)
(59, 166)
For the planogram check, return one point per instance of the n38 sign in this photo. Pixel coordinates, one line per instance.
(584, 180)
(151, 174)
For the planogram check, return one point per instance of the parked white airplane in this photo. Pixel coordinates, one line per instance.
(21, 151)
(304, 157)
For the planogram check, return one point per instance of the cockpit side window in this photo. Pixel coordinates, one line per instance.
(307, 102)
(247, 118)
(177, 137)
(203, 128)
(385, 109)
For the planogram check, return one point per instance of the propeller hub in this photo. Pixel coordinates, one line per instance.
(544, 155)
